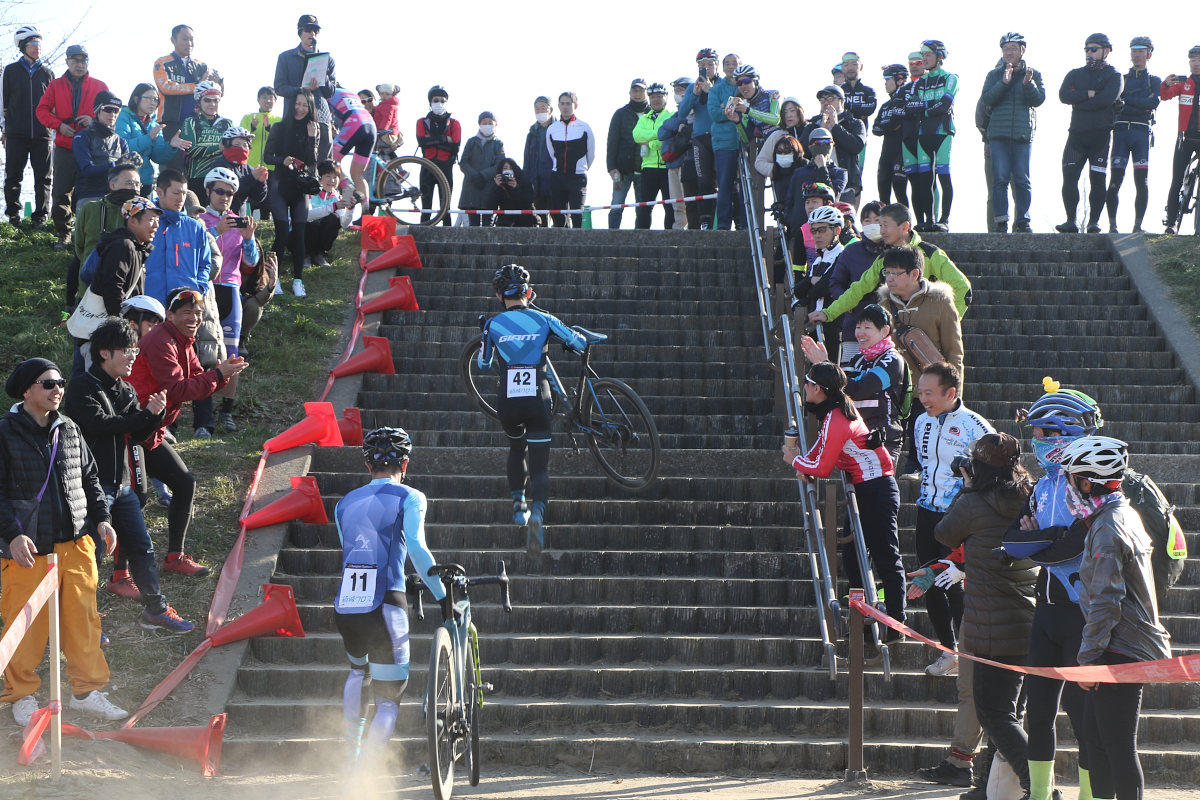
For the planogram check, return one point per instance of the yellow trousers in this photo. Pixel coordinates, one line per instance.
(79, 620)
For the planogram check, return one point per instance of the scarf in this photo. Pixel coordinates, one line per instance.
(877, 349)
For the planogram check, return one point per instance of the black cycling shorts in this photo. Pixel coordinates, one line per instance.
(526, 417)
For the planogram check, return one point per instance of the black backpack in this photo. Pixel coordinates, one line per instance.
(1158, 518)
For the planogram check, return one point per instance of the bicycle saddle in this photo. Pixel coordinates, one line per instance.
(591, 336)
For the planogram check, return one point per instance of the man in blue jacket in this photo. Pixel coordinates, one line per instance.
(1131, 133)
(695, 102)
(537, 164)
(25, 138)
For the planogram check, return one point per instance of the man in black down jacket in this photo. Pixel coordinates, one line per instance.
(25, 138)
(624, 154)
(39, 447)
(1090, 90)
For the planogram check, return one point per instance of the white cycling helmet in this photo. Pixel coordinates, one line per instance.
(25, 32)
(745, 71)
(1012, 37)
(826, 215)
(206, 88)
(220, 174)
(1097, 458)
(143, 302)
(236, 132)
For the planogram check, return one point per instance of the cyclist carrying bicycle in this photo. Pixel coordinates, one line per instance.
(519, 338)
(1188, 143)
(379, 525)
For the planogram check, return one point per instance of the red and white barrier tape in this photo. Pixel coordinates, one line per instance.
(1181, 669)
(529, 212)
(16, 627)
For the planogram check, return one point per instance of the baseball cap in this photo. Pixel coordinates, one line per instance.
(77, 50)
(306, 20)
(638, 82)
(832, 89)
(682, 80)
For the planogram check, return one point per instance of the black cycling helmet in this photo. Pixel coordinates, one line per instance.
(1195, 51)
(1100, 39)
(511, 280)
(707, 53)
(1141, 43)
(897, 72)
(386, 446)
(936, 46)
(437, 91)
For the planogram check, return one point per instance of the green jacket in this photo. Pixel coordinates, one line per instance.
(938, 267)
(1012, 105)
(645, 132)
(93, 221)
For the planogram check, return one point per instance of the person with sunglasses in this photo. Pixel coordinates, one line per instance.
(168, 362)
(139, 126)
(1090, 91)
(50, 497)
(290, 69)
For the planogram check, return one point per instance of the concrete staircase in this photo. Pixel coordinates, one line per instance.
(674, 630)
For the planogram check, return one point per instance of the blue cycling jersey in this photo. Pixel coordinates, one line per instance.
(519, 337)
(379, 525)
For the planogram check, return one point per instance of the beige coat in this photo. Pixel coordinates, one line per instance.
(932, 310)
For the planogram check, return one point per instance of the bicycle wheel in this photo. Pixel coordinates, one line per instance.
(482, 386)
(397, 186)
(473, 692)
(439, 715)
(620, 433)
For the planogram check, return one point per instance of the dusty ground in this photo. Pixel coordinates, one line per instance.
(115, 770)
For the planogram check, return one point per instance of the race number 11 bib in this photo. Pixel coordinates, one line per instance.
(358, 586)
(522, 382)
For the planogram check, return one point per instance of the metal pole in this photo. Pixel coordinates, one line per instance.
(831, 537)
(856, 772)
(55, 674)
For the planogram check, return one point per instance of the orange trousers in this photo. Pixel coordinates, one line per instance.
(79, 621)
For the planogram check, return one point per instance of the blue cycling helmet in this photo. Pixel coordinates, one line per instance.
(1067, 412)
(511, 280)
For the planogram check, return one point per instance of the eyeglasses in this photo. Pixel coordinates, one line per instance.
(50, 384)
(77, 60)
(819, 228)
(1092, 49)
(219, 192)
(890, 274)
(132, 352)
(745, 81)
(151, 97)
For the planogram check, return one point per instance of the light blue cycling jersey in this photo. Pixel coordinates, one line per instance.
(519, 337)
(379, 525)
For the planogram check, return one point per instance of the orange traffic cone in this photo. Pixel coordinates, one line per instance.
(200, 743)
(376, 356)
(351, 427)
(404, 254)
(276, 614)
(378, 233)
(399, 296)
(319, 425)
(303, 503)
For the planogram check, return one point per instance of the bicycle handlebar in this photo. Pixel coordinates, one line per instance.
(414, 586)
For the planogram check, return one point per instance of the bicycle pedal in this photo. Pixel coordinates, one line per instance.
(487, 687)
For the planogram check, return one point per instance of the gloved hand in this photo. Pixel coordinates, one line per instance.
(914, 107)
(949, 576)
(920, 582)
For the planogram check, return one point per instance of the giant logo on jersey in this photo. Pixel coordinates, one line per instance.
(518, 337)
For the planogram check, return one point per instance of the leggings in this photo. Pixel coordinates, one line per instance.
(890, 177)
(1085, 148)
(1184, 148)
(706, 180)
(526, 421)
(944, 606)
(428, 183)
(1110, 713)
(1054, 642)
(165, 464)
(289, 208)
(933, 158)
(878, 506)
(229, 309)
(998, 707)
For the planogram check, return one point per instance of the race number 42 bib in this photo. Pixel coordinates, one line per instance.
(522, 382)
(358, 586)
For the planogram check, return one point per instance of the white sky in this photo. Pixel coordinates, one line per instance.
(500, 56)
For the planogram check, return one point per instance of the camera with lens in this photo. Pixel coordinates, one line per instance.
(962, 464)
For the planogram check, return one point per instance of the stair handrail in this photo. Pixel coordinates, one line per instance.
(777, 341)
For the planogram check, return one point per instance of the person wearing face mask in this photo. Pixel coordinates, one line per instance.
(1090, 91)
(791, 124)
(439, 136)
(1011, 92)
(856, 258)
(139, 127)
(653, 182)
(536, 164)
(480, 164)
(848, 133)
(1120, 611)
(97, 149)
(1048, 534)
(889, 123)
(236, 147)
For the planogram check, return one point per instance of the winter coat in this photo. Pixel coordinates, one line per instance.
(515, 198)
(60, 106)
(537, 163)
(998, 599)
(1139, 97)
(387, 116)
(260, 125)
(439, 137)
(1120, 612)
(645, 132)
(24, 84)
(96, 149)
(1091, 113)
(120, 272)
(624, 154)
(571, 144)
(479, 163)
(107, 411)
(176, 80)
(181, 256)
(156, 150)
(931, 308)
(73, 497)
(290, 138)
(851, 265)
(168, 361)
(96, 219)
(1012, 104)
(289, 75)
(938, 267)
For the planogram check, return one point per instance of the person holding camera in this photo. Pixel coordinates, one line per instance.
(695, 105)
(510, 191)
(1187, 89)
(480, 164)
(845, 442)
(998, 592)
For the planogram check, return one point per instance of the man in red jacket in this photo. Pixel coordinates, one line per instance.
(1188, 91)
(66, 109)
(167, 362)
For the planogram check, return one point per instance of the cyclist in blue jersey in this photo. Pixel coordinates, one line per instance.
(518, 337)
(379, 525)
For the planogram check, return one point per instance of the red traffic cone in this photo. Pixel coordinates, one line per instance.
(319, 425)
(302, 503)
(378, 233)
(399, 296)
(351, 427)
(276, 614)
(404, 254)
(376, 356)
(200, 743)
